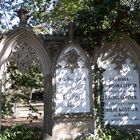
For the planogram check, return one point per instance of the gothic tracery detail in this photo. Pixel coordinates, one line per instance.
(118, 56)
(23, 55)
(72, 60)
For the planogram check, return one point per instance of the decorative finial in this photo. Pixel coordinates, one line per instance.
(22, 13)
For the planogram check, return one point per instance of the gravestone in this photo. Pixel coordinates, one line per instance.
(73, 94)
(72, 86)
(121, 95)
(121, 84)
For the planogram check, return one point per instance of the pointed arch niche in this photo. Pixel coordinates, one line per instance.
(121, 80)
(27, 36)
(28, 43)
(73, 82)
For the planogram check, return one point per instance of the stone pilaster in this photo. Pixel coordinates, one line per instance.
(48, 122)
(0, 103)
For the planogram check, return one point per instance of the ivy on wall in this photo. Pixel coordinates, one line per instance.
(98, 99)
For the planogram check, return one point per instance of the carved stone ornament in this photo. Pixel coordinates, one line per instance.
(23, 55)
(119, 55)
(71, 60)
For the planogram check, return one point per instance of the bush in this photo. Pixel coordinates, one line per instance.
(21, 132)
(121, 133)
(111, 133)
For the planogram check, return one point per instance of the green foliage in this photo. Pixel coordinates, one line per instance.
(21, 86)
(94, 19)
(38, 10)
(107, 18)
(90, 16)
(21, 132)
(24, 133)
(32, 78)
(63, 13)
(110, 133)
(6, 107)
(12, 96)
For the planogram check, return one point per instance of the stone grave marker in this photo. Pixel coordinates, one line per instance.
(121, 86)
(72, 89)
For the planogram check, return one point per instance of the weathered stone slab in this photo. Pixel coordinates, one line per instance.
(121, 95)
(72, 91)
(121, 82)
(73, 87)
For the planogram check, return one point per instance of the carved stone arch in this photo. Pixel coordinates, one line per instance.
(134, 48)
(71, 59)
(22, 34)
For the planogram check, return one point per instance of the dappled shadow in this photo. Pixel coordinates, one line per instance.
(121, 93)
(72, 84)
